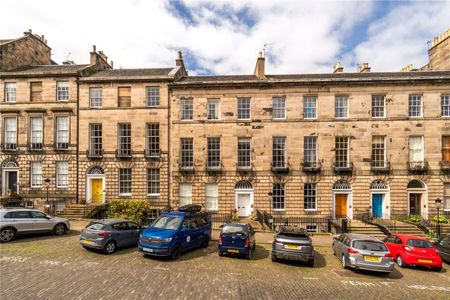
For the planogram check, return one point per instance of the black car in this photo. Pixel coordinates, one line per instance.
(293, 243)
(236, 238)
(443, 246)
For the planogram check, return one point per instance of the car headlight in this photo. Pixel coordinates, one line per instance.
(141, 236)
(166, 240)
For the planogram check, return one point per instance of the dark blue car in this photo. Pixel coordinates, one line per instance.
(237, 238)
(175, 232)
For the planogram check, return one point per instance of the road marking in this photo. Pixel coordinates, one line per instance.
(158, 267)
(310, 278)
(19, 259)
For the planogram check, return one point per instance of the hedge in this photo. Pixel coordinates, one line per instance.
(133, 210)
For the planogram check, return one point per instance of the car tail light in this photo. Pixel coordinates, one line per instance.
(388, 255)
(247, 243)
(103, 233)
(220, 239)
(352, 251)
(407, 248)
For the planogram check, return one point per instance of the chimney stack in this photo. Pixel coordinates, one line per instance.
(259, 68)
(338, 68)
(179, 62)
(363, 68)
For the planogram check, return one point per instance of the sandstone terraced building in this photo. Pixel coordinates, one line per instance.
(338, 144)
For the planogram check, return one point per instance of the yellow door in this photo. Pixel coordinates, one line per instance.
(97, 190)
(341, 205)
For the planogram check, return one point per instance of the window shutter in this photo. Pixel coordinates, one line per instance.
(124, 97)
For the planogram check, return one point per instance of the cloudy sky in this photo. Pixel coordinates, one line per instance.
(224, 37)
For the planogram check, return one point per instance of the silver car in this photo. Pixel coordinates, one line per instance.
(360, 251)
(17, 221)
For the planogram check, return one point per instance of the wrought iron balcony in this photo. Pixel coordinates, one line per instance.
(243, 168)
(418, 166)
(186, 167)
(9, 147)
(445, 165)
(35, 146)
(311, 166)
(62, 146)
(280, 168)
(94, 153)
(343, 166)
(152, 153)
(214, 168)
(124, 153)
(380, 166)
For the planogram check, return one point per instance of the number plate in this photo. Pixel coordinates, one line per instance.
(372, 258)
(87, 242)
(295, 247)
(233, 251)
(147, 249)
(425, 261)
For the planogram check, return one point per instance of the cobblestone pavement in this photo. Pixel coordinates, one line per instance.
(49, 267)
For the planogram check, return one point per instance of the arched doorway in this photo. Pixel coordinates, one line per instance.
(95, 185)
(243, 199)
(342, 199)
(379, 194)
(417, 198)
(10, 175)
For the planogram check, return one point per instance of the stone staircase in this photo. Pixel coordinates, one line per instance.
(254, 223)
(73, 212)
(359, 227)
(406, 228)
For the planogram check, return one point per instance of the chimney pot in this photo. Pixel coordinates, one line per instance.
(363, 68)
(94, 48)
(180, 55)
(338, 68)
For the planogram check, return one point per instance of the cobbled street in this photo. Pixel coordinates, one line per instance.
(49, 267)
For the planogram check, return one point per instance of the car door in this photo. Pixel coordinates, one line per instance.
(251, 235)
(41, 221)
(119, 233)
(134, 230)
(444, 248)
(339, 245)
(22, 220)
(196, 232)
(184, 236)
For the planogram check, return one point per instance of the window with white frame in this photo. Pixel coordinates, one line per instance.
(62, 132)
(378, 106)
(279, 152)
(153, 182)
(10, 92)
(278, 202)
(186, 153)
(445, 105)
(310, 150)
(10, 133)
(416, 149)
(310, 107)
(152, 96)
(124, 139)
(125, 182)
(341, 107)
(378, 151)
(415, 105)
(244, 109)
(185, 194)
(278, 108)
(213, 109)
(36, 174)
(62, 174)
(342, 151)
(213, 159)
(95, 97)
(187, 109)
(62, 90)
(36, 129)
(446, 196)
(311, 228)
(153, 140)
(310, 196)
(212, 196)
(95, 139)
(244, 153)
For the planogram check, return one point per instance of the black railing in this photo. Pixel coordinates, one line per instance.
(418, 166)
(186, 168)
(35, 146)
(61, 146)
(213, 168)
(311, 166)
(124, 153)
(94, 153)
(9, 147)
(343, 166)
(95, 211)
(280, 167)
(317, 224)
(380, 166)
(152, 153)
(445, 165)
(218, 219)
(243, 168)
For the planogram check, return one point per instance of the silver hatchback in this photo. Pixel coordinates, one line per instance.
(17, 221)
(364, 252)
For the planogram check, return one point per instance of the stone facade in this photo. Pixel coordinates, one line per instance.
(439, 52)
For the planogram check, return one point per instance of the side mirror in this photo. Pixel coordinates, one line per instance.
(221, 226)
(335, 238)
(48, 217)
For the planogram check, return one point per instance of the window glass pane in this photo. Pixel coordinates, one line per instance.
(153, 96)
(213, 159)
(10, 132)
(278, 108)
(415, 105)
(212, 196)
(378, 151)
(341, 107)
(378, 106)
(279, 152)
(153, 140)
(309, 107)
(124, 139)
(62, 131)
(342, 152)
(187, 109)
(244, 152)
(95, 97)
(36, 130)
(125, 181)
(153, 181)
(415, 149)
(310, 196)
(62, 90)
(95, 143)
(244, 109)
(10, 92)
(447, 196)
(36, 174)
(187, 152)
(62, 174)
(310, 149)
(213, 109)
(185, 194)
(278, 196)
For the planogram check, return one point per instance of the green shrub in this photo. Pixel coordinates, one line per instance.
(415, 218)
(441, 219)
(133, 210)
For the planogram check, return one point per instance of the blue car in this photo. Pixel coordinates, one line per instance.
(175, 232)
(237, 238)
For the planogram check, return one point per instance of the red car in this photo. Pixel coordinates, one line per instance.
(411, 250)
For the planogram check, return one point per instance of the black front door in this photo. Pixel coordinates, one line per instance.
(414, 204)
(12, 182)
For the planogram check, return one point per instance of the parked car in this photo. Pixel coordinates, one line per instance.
(293, 243)
(175, 232)
(410, 250)
(360, 251)
(19, 221)
(443, 246)
(237, 238)
(109, 234)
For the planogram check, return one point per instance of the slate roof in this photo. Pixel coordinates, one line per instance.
(112, 74)
(44, 70)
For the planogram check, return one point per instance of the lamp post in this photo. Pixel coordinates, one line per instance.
(438, 202)
(270, 194)
(47, 185)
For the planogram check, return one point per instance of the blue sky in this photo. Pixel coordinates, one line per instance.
(224, 37)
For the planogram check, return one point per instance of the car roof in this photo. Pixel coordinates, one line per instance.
(231, 224)
(183, 214)
(293, 229)
(359, 236)
(5, 209)
(410, 236)
(110, 221)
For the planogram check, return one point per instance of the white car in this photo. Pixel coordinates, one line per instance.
(17, 221)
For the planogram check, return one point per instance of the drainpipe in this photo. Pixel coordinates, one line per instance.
(78, 140)
(169, 145)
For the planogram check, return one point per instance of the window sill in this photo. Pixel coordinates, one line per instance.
(279, 209)
(62, 187)
(36, 187)
(313, 210)
(153, 195)
(124, 195)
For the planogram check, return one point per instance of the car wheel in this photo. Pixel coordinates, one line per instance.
(110, 247)
(220, 253)
(205, 243)
(437, 269)
(7, 234)
(344, 262)
(176, 252)
(249, 254)
(310, 263)
(274, 258)
(59, 229)
(400, 262)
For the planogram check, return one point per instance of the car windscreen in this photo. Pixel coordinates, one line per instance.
(370, 246)
(419, 244)
(95, 226)
(167, 222)
(233, 229)
(298, 235)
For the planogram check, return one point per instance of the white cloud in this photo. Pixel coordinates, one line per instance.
(306, 36)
